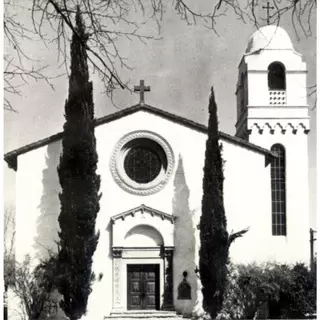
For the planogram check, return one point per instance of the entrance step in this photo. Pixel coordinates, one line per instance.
(145, 314)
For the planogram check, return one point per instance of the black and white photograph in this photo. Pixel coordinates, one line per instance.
(159, 159)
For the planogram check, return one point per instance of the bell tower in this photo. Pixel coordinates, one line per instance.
(272, 112)
(271, 90)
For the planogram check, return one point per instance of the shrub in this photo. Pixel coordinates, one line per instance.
(33, 285)
(269, 291)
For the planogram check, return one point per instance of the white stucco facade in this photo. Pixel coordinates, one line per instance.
(154, 227)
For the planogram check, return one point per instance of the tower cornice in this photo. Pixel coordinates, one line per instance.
(272, 125)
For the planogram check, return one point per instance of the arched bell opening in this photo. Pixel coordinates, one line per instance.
(277, 83)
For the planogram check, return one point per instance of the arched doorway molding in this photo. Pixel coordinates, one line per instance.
(142, 236)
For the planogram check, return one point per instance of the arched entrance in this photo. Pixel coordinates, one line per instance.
(142, 260)
(143, 276)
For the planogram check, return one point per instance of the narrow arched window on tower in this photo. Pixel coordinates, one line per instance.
(277, 76)
(278, 190)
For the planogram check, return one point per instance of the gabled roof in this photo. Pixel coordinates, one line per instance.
(11, 157)
(143, 209)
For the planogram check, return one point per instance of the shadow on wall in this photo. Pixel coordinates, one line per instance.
(47, 222)
(185, 244)
(109, 231)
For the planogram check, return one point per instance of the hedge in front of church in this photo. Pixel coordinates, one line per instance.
(80, 185)
(269, 291)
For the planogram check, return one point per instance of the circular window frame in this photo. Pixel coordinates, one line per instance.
(117, 164)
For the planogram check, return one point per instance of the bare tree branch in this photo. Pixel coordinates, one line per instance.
(9, 234)
(16, 76)
(16, 73)
(108, 21)
(312, 92)
(33, 286)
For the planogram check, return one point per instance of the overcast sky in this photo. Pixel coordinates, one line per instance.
(180, 68)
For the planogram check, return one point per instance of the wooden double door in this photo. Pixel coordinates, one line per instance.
(143, 287)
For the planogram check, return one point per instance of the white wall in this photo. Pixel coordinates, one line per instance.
(297, 191)
(37, 204)
(247, 202)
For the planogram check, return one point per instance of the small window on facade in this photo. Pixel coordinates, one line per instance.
(276, 76)
(278, 190)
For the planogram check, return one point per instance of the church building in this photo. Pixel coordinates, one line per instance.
(151, 167)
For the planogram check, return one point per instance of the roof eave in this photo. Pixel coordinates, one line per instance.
(11, 157)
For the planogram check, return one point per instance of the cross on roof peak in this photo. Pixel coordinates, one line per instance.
(268, 11)
(142, 89)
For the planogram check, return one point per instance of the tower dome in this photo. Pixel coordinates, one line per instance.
(269, 37)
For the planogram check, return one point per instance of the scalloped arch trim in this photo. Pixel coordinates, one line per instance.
(268, 127)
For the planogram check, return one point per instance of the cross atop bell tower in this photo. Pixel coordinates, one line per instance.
(142, 89)
(268, 7)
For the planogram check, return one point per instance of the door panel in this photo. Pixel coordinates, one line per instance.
(134, 291)
(143, 287)
(150, 290)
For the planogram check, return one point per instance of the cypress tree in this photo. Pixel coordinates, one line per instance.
(214, 237)
(80, 184)
(213, 223)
